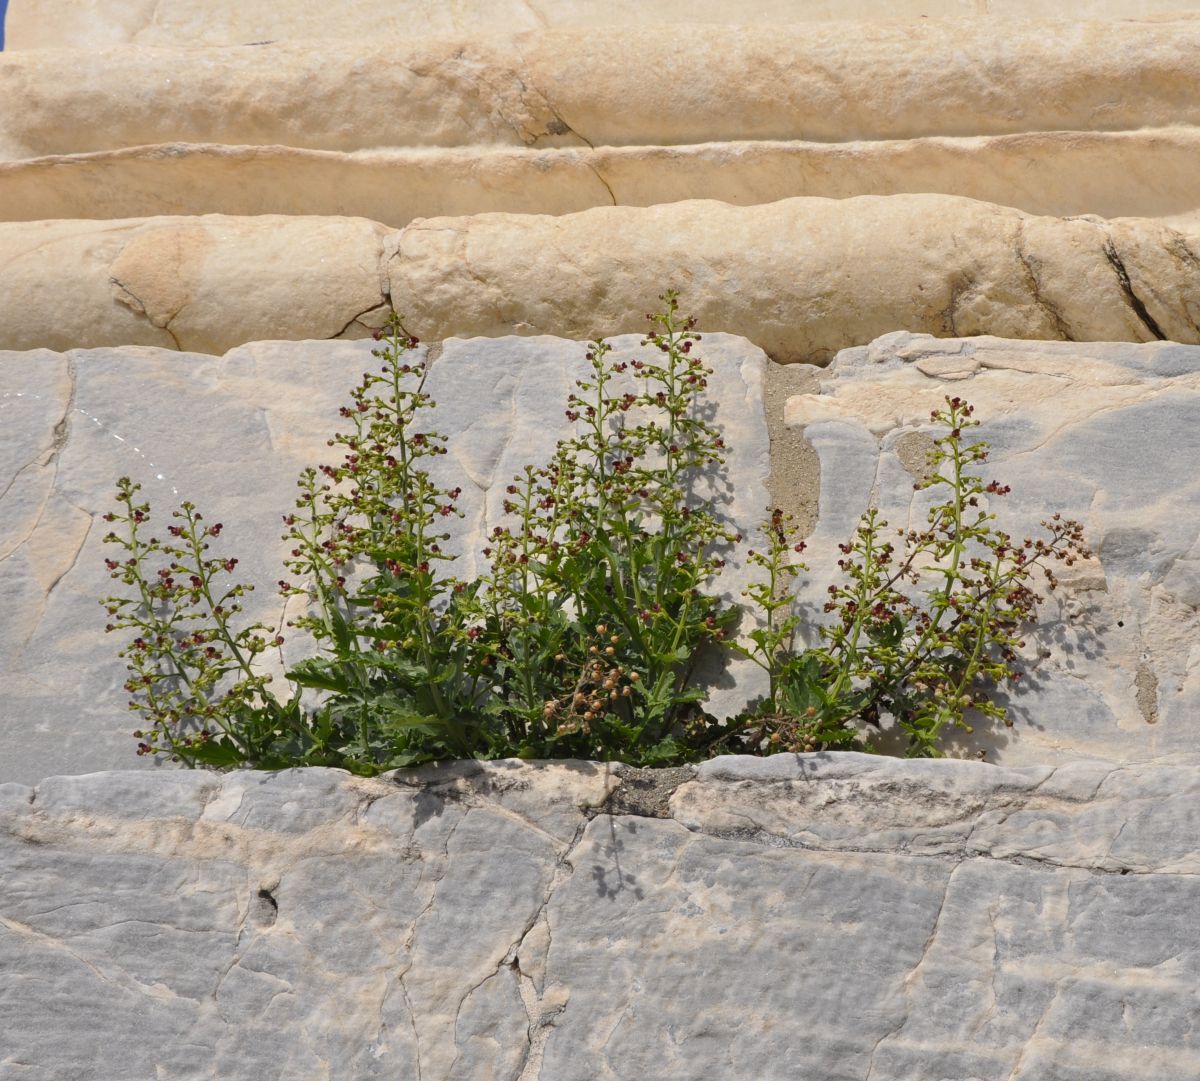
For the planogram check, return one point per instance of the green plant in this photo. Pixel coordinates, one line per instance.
(398, 682)
(403, 681)
(190, 673)
(923, 656)
(596, 607)
(789, 717)
(582, 638)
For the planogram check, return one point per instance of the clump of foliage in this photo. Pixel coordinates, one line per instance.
(582, 637)
(922, 628)
(595, 608)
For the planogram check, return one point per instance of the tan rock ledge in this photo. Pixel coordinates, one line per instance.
(1148, 173)
(204, 284)
(608, 86)
(801, 278)
(39, 24)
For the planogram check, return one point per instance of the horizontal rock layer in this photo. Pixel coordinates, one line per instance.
(611, 86)
(801, 278)
(231, 435)
(34, 24)
(832, 917)
(1147, 173)
(196, 284)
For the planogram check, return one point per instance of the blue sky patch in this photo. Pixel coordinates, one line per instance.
(3, 9)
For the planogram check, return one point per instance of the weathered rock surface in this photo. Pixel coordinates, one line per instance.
(231, 434)
(1084, 117)
(611, 86)
(40, 24)
(1148, 173)
(1103, 433)
(196, 284)
(834, 917)
(801, 278)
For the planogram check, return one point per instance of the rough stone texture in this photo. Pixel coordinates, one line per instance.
(801, 278)
(231, 434)
(198, 284)
(39, 24)
(834, 917)
(1082, 117)
(1103, 433)
(1142, 173)
(611, 86)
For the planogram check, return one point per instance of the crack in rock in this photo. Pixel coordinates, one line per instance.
(1135, 302)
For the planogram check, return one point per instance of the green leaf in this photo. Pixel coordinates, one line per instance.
(219, 752)
(321, 675)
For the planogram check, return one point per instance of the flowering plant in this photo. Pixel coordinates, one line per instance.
(922, 628)
(582, 637)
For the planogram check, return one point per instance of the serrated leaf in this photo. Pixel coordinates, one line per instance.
(319, 675)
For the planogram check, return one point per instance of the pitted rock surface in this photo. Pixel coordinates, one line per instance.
(822, 916)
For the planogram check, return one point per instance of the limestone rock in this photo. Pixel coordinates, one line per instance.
(1082, 117)
(802, 916)
(201, 284)
(231, 434)
(1147, 173)
(801, 278)
(609, 86)
(1102, 433)
(39, 24)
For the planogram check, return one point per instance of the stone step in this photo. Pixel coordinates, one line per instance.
(39, 24)
(803, 917)
(611, 87)
(1147, 173)
(801, 278)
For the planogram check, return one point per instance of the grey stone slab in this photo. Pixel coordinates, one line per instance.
(819, 916)
(1102, 432)
(231, 434)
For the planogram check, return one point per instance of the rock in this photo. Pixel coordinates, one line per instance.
(38, 24)
(801, 278)
(1104, 433)
(832, 916)
(610, 86)
(1096, 117)
(200, 284)
(231, 434)
(1142, 173)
